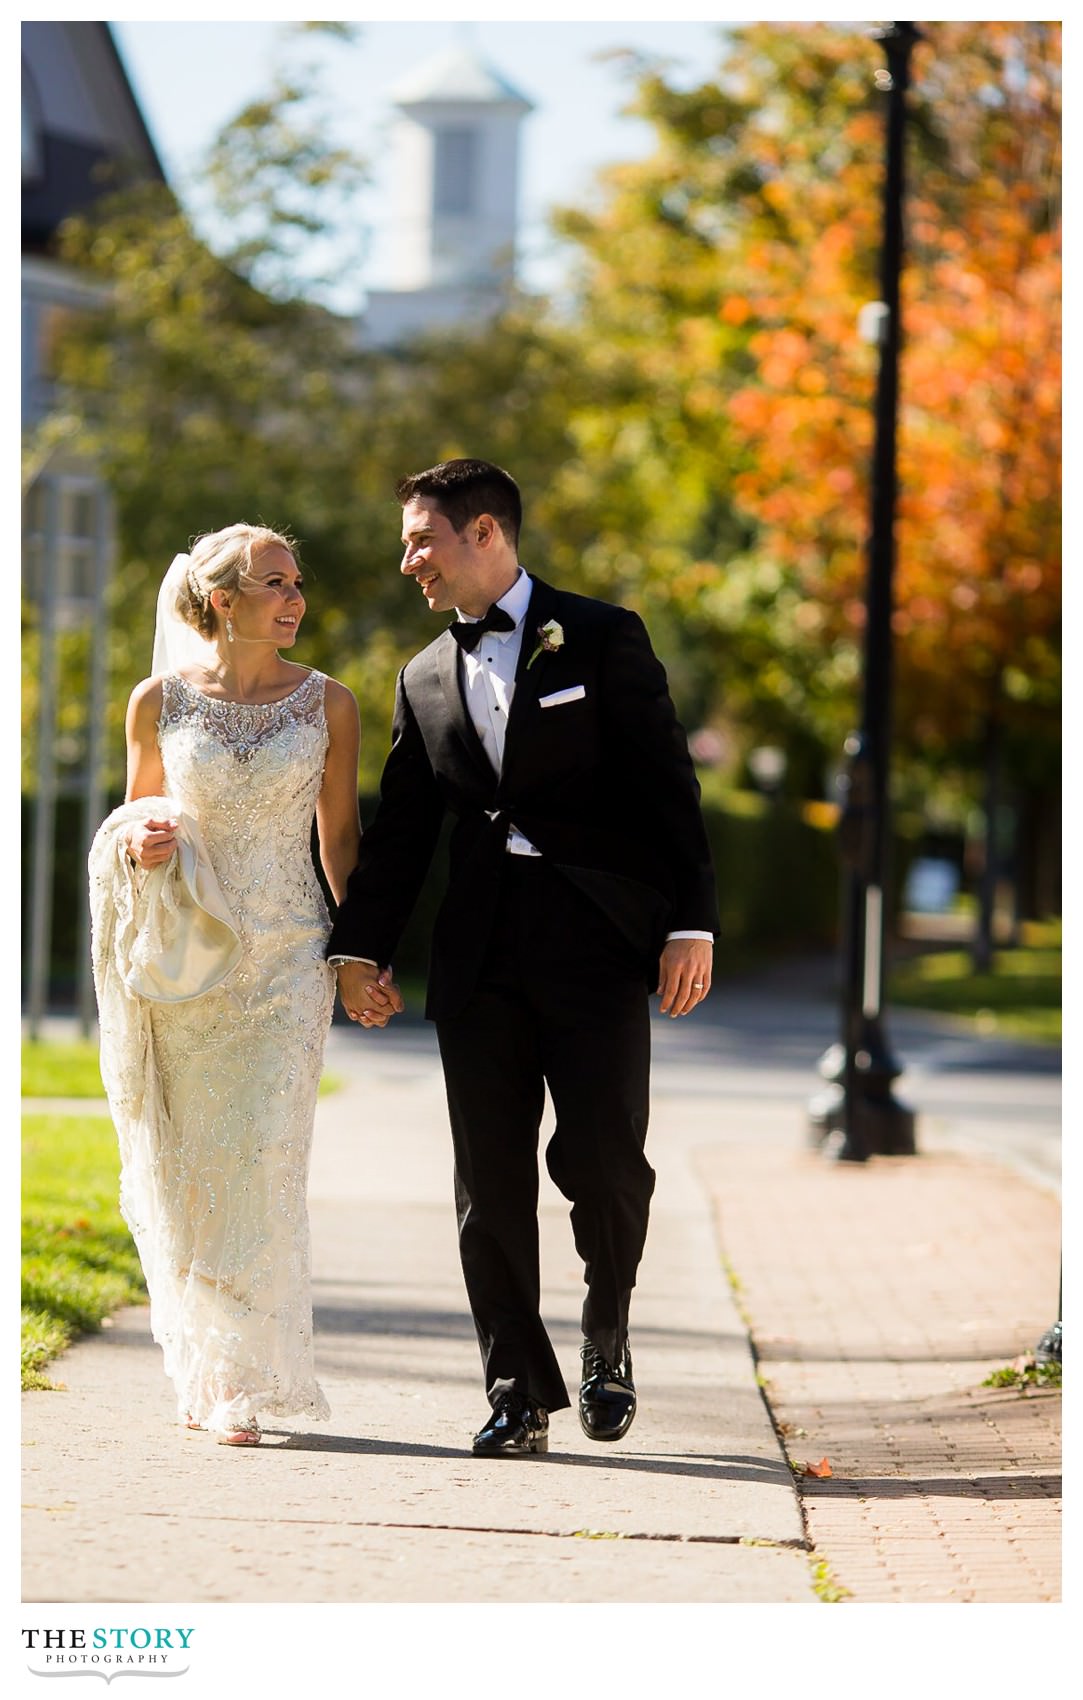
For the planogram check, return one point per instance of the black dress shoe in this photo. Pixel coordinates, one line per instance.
(607, 1395)
(515, 1429)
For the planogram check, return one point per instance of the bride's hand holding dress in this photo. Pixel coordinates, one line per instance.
(151, 842)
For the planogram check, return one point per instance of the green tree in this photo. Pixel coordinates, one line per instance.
(212, 386)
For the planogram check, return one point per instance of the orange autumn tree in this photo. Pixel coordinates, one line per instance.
(977, 590)
(721, 283)
(977, 586)
(805, 214)
(979, 532)
(671, 286)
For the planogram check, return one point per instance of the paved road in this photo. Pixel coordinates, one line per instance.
(757, 1042)
(761, 1040)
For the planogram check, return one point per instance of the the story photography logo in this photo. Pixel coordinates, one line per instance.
(110, 1648)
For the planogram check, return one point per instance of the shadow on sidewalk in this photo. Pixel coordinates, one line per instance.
(933, 1487)
(409, 1323)
(703, 1466)
(374, 1319)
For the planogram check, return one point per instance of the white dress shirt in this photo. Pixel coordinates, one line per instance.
(488, 677)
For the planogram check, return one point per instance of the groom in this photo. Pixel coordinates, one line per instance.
(580, 880)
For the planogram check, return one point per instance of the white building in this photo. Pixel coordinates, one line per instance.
(455, 185)
(82, 135)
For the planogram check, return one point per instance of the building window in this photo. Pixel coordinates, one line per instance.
(75, 546)
(456, 171)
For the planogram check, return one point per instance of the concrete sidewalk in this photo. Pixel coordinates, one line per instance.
(866, 1305)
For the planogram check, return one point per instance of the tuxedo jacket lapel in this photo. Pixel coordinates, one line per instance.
(461, 723)
(528, 678)
(477, 774)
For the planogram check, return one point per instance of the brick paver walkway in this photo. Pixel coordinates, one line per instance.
(878, 1299)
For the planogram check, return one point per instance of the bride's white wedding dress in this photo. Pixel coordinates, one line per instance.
(215, 1157)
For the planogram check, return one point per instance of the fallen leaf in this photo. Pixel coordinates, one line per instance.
(823, 1468)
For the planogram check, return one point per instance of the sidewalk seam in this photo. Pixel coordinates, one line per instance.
(734, 1282)
(504, 1529)
(826, 1587)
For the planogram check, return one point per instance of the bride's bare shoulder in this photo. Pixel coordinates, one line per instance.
(145, 701)
(339, 700)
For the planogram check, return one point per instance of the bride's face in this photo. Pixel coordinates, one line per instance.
(270, 606)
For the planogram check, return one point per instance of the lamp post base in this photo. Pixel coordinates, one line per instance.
(1047, 1351)
(882, 1127)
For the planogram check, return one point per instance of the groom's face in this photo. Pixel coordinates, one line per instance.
(443, 561)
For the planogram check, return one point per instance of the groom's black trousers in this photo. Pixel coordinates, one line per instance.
(562, 1001)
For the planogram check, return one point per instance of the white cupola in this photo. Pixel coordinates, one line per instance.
(455, 173)
(454, 194)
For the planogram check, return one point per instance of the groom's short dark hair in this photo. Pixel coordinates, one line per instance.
(466, 488)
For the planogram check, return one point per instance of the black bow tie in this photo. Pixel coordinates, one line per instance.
(468, 633)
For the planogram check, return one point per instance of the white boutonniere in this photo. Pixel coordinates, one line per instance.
(550, 639)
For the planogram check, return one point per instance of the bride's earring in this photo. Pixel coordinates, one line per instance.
(229, 629)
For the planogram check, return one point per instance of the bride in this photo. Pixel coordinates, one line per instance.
(213, 1029)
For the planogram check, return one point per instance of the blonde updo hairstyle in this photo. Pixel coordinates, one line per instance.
(222, 560)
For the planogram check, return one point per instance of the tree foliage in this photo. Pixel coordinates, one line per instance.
(210, 388)
(693, 433)
(720, 286)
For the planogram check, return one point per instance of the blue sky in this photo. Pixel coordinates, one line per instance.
(190, 78)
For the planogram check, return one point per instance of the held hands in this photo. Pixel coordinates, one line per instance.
(685, 975)
(152, 843)
(368, 998)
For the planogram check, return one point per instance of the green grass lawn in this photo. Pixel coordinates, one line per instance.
(68, 1068)
(78, 1259)
(1020, 997)
(65, 1068)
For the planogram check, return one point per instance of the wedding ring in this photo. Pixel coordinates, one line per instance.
(697, 985)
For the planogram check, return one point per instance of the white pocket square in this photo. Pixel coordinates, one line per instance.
(572, 694)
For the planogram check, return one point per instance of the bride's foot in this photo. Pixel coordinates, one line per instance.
(188, 1423)
(248, 1435)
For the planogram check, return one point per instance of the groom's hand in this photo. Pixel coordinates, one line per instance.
(685, 975)
(367, 997)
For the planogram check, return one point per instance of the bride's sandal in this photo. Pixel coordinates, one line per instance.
(188, 1423)
(249, 1435)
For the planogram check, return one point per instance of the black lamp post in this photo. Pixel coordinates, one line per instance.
(1048, 1349)
(859, 1105)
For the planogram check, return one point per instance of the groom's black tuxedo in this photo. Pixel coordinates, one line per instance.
(540, 966)
(602, 785)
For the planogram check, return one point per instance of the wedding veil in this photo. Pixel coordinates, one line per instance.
(176, 644)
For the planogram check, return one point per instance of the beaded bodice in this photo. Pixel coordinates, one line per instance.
(251, 774)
